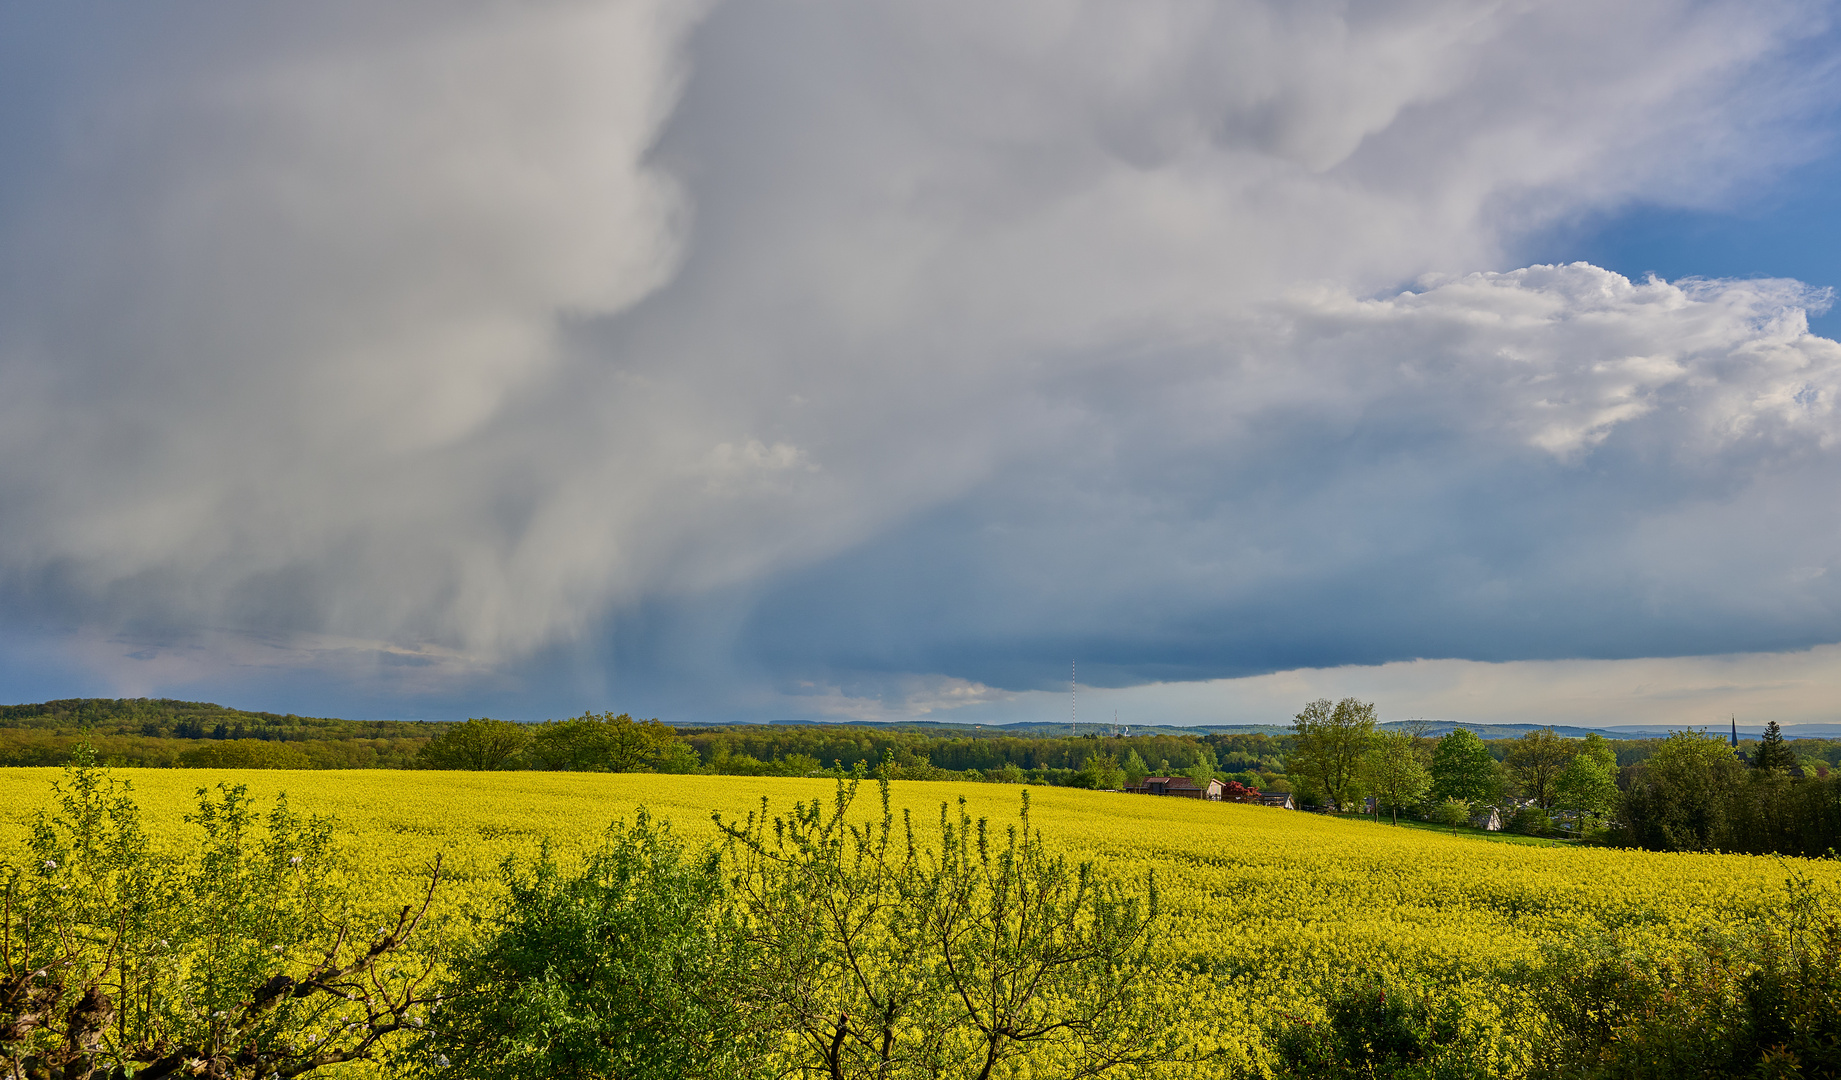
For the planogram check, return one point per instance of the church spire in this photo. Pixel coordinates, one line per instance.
(1735, 731)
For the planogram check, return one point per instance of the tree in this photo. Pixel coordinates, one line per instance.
(1011, 773)
(604, 743)
(1773, 752)
(1462, 768)
(633, 967)
(1394, 771)
(1680, 799)
(678, 758)
(1204, 768)
(1100, 771)
(1135, 769)
(1589, 781)
(1535, 762)
(886, 960)
(1329, 746)
(480, 744)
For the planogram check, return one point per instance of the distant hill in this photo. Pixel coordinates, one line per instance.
(1429, 728)
(167, 718)
(1746, 731)
(1439, 728)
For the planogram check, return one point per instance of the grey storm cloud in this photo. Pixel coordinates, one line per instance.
(781, 347)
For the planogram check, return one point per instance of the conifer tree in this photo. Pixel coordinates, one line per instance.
(1773, 752)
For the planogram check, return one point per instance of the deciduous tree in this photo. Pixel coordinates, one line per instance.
(1203, 770)
(480, 745)
(1329, 745)
(1535, 761)
(603, 743)
(1680, 799)
(1463, 769)
(1394, 772)
(1589, 781)
(1135, 769)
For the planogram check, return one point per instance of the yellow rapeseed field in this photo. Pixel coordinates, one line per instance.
(1266, 907)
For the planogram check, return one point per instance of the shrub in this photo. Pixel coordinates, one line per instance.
(885, 959)
(1010, 773)
(632, 967)
(230, 960)
(1377, 1031)
(1766, 1003)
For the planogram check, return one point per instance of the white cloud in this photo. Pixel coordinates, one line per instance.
(482, 329)
(1679, 692)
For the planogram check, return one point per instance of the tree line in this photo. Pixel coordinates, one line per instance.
(619, 743)
(1688, 792)
(1681, 792)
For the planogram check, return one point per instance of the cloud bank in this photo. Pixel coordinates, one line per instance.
(807, 358)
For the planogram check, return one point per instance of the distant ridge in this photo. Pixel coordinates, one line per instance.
(1746, 731)
(191, 718)
(1430, 728)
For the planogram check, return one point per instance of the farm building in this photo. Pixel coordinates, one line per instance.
(1180, 786)
(1280, 799)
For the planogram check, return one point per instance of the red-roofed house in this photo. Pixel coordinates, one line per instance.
(1180, 786)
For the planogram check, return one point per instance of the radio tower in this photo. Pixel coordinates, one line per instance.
(1073, 697)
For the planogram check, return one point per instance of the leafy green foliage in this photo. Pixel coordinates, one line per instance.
(1330, 746)
(1693, 795)
(1535, 762)
(232, 960)
(1588, 783)
(1395, 772)
(1530, 821)
(1463, 769)
(1681, 798)
(1133, 767)
(1772, 751)
(479, 745)
(1450, 812)
(633, 967)
(1376, 1030)
(603, 743)
(1763, 1003)
(1101, 772)
(1204, 768)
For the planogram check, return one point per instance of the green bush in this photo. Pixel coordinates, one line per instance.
(230, 960)
(1377, 1031)
(634, 967)
(1766, 1003)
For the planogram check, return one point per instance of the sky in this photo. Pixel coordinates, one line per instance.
(806, 359)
